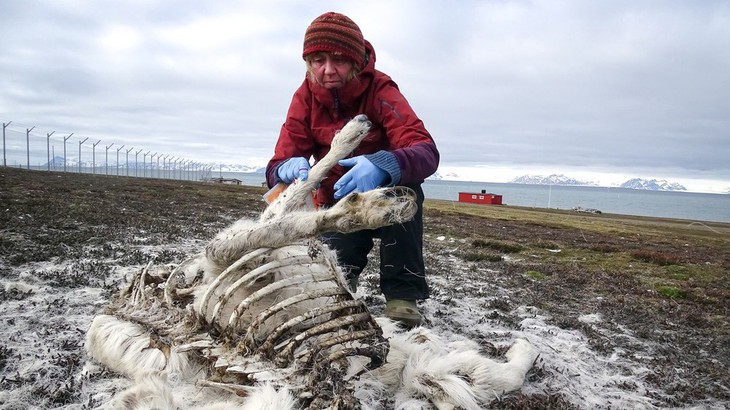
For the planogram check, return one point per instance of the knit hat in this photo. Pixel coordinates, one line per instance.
(335, 33)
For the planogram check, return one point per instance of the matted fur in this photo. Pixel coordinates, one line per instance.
(264, 319)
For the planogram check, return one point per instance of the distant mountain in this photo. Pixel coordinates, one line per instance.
(58, 162)
(435, 177)
(652, 185)
(553, 179)
(55, 162)
(237, 168)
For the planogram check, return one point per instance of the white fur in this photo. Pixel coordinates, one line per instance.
(449, 375)
(253, 267)
(151, 391)
(269, 398)
(126, 348)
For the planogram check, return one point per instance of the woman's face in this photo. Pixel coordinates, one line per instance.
(330, 70)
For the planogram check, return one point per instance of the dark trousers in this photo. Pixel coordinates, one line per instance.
(402, 272)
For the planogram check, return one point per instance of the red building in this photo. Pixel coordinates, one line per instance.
(481, 198)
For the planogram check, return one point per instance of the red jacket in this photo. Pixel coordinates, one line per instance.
(315, 114)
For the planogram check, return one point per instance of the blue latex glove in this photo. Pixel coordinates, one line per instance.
(293, 168)
(362, 177)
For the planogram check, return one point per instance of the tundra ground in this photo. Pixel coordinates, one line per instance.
(625, 311)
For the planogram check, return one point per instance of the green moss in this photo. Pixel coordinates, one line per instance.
(535, 274)
(680, 272)
(670, 292)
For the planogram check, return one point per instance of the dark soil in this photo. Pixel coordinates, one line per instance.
(665, 282)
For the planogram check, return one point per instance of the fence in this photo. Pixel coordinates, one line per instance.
(26, 147)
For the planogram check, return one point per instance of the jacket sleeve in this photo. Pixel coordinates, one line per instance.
(410, 143)
(294, 138)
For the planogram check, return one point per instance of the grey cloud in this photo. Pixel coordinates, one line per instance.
(611, 84)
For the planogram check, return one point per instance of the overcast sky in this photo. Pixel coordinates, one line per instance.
(599, 90)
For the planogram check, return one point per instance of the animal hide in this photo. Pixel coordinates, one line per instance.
(263, 319)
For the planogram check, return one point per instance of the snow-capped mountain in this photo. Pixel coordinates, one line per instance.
(237, 168)
(435, 177)
(553, 179)
(652, 185)
(55, 162)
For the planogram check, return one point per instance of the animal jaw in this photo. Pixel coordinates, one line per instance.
(265, 313)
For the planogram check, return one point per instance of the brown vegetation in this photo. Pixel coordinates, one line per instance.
(664, 280)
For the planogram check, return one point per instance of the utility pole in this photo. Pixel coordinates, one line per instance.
(27, 145)
(106, 160)
(81, 142)
(93, 158)
(5, 160)
(118, 149)
(48, 149)
(64, 150)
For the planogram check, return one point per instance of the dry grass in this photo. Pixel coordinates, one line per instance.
(665, 280)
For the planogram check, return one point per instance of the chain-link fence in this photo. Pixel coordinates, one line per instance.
(31, 148)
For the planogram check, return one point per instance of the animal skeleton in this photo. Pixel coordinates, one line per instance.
(265, 314)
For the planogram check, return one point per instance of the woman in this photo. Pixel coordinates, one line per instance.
(341, 83)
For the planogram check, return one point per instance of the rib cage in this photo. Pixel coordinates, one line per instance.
(286, 320)
(264, 312)
(261, 304)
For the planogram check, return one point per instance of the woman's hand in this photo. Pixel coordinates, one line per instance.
(362, 177)
(293, 168)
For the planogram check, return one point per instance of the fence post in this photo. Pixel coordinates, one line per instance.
(118, 149)
(48, 149)
(106, 160)
(64, 151)
(127, 163)
(152, 157)
(81, 142)
(144, 164)
(27, 145)
(5, 161)
(166, 159)
(93, 158)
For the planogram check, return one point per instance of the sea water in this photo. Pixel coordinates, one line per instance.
(665, 204)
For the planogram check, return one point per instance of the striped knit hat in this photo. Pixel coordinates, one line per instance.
(335, 33)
